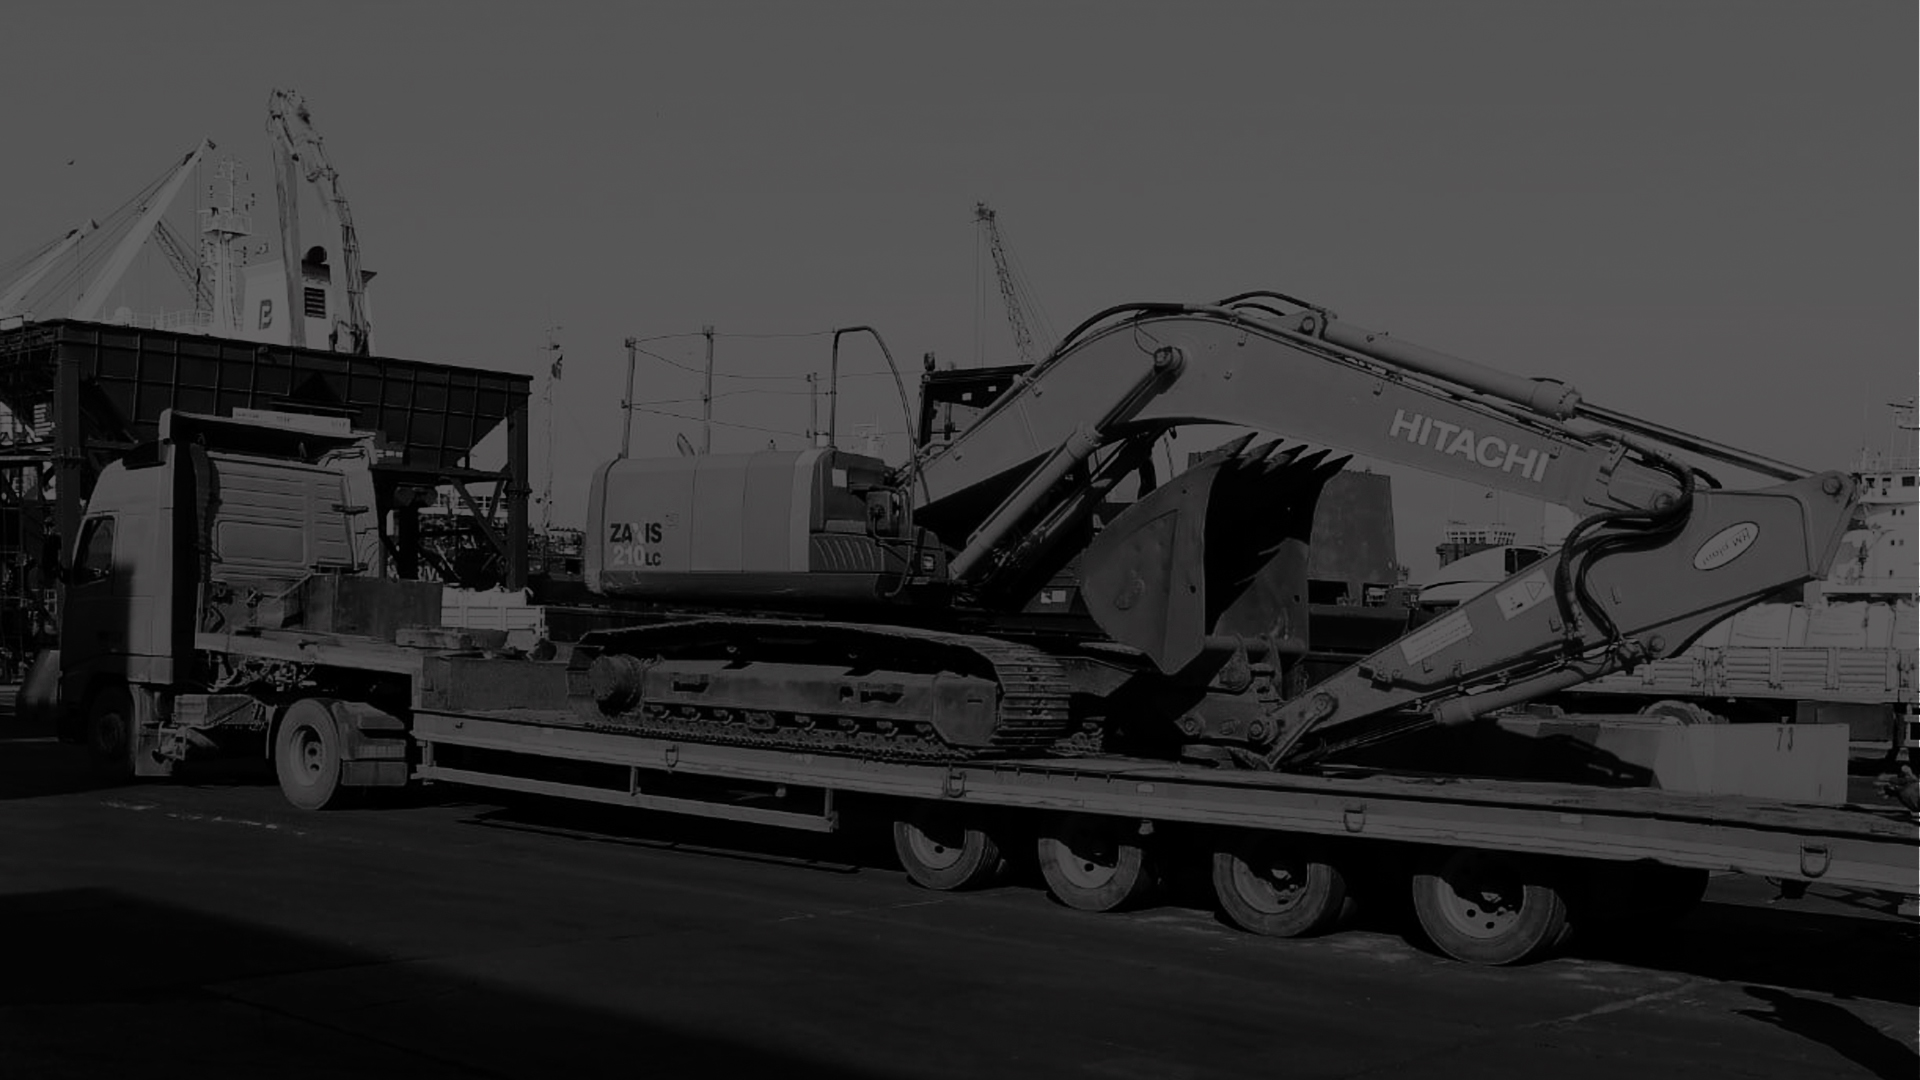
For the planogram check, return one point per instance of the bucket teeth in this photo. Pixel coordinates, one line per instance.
(1311, 462)
(1230, 450)
(1281, 460)
(1333, 467)
(1261, 453)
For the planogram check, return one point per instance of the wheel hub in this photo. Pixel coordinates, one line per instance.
(309, 755)
(1269, 887)
(932, 852)
(1482, 903)
(1088, 863)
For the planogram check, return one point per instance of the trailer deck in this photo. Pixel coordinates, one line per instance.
(1860, 847)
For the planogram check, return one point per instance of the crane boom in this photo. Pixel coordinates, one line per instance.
(183, 266)
(1009, 294)
(90, 302)
(24, 284)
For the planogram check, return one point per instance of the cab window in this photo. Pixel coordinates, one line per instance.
(1519, 559)
(93, 561)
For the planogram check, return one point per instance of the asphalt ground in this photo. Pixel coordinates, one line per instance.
(202, 927)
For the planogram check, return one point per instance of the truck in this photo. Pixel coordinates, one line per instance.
(1019, 640)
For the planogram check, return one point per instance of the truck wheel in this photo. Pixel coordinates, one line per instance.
(1268, 884)
(109, 731)
(306, 756)
(1091, 865)
(1484, 908)
(939, 849)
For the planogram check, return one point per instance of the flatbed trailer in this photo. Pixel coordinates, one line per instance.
(1855, 848)
(1499, 871)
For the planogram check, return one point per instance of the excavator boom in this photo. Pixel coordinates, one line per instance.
(1661, 556)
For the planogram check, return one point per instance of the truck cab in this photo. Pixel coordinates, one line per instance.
(215, 525)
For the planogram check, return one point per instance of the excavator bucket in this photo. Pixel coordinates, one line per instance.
(1217, 552)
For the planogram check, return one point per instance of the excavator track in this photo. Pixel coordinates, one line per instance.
(1030, 707)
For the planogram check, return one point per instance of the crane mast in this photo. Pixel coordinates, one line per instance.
(291, 125)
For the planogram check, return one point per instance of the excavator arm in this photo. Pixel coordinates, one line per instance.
(1193, 576)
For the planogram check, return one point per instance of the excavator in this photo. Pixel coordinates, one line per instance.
(998, 594)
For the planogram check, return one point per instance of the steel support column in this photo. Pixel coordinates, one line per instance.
(517, 492)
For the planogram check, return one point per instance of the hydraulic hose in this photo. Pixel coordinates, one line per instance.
(1645, 528)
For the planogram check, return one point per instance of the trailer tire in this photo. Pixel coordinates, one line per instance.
(1275, 886)
(1090, 864)
(306, 755)
(1272, 886)
(1485, 908)
(940, 849)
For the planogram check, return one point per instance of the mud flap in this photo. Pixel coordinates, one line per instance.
(1220, 549)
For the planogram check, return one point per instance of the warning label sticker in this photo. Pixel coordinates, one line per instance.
(1435, 636)
(1523, 594)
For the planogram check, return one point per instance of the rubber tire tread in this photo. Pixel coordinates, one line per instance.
(327, 793)
(1319, 909)
(1132, 881)
(979, 863)
(1541, 928)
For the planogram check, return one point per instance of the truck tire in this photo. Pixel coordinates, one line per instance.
(306, 755)
(1485, 908)
(1091, 864)
(940, 849)
(108, 728)
(1271, 884)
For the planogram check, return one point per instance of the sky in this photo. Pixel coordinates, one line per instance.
(1699, 213)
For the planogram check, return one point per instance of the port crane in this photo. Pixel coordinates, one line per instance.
(297, 143)
(1012, 294)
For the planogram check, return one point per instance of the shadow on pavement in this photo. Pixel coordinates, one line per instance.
(1843, 955)
(119, 978)
(1835, 1027)
(1849, 956)
(1864, 956)
(1846, 955)
(33, 768)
